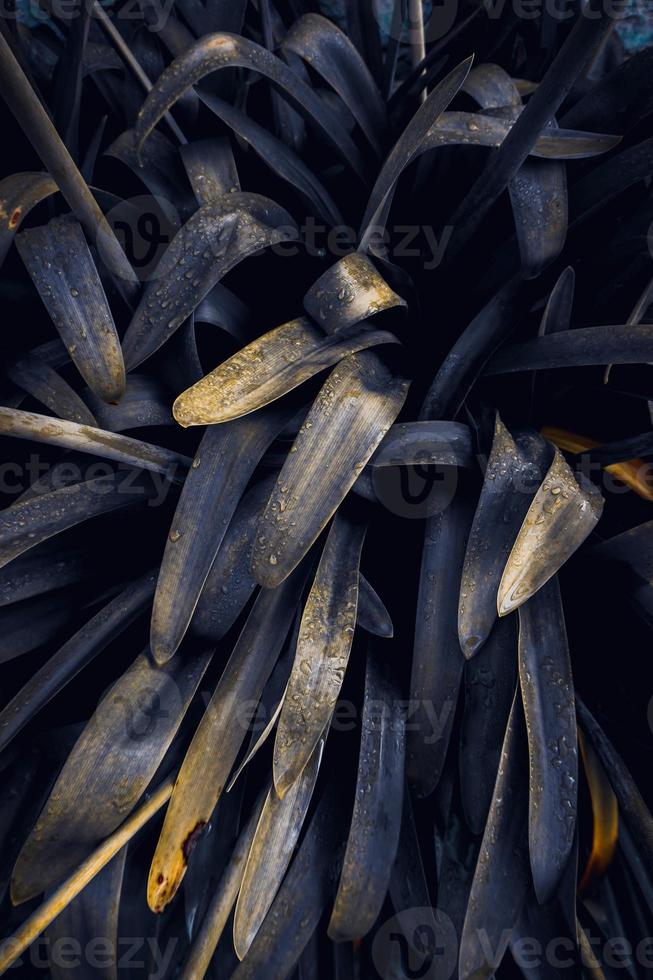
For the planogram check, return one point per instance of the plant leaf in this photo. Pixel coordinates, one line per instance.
(211, 168)
(561, 515)
(224, 463)
(372, 615)
(583, 346)
(438, 661)
(489, 689)
(268, 368)
(548, 694)
(212, 753)
(330, 53)
(323, 647)
(213, 240)
(60, 264)
(19, 193)
(502, 875)
(110, 767)
(350, 291)
(42, 382)
(515, 470)
(376, 816)
(279, 158)
(352, 412)
(216, 51)
(75, 654)
(28, 523)
(277, 832)
(90, 439)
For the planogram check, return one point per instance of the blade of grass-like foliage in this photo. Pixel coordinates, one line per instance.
(502, 875)
(42, 570)
(332, 55)
(109, 769)
(59, 474)
(478, 129)
(376, 816)
(213, 854)
(145, 403)
(415, 443)
(352, 412)
(633, 472)
(489, 689)
(223, 15)
(224, 309)
(268, 368)
(585, 37)
(158, 167)
(617, 99)
(42, 382)
(515, 470)
(605, 814)
(90, 439)
(437, 666)
(290, 923)
(223, 465)
(492, 87)
(35, 122)
(278, 157)
(91, 920)
(632, 807)
(220, 734)
(408, 886)
(548, 694)
(230, 582)
(214, 240)
(632, 548)
(222, 903)
(27, 524)
(276, 835)
(222, 50)
(563, 512)
(583, 346)
(407, 147)
(350, 291)
(469, 354)
(608, 180)
(556, 317)
(128, 58)
(74, 655)
(269, 707)
(211, 168)
(68, 77)
(323, 647)
(538, 196)
(39, 920)
(27, 625)
(61, 266)
(372, 615)
(19, 193)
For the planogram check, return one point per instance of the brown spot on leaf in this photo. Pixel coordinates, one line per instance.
(191, 841)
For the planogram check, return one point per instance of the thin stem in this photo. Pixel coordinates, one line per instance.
(39, 920)
(417, 38)
(35, 122)
(130, 61)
